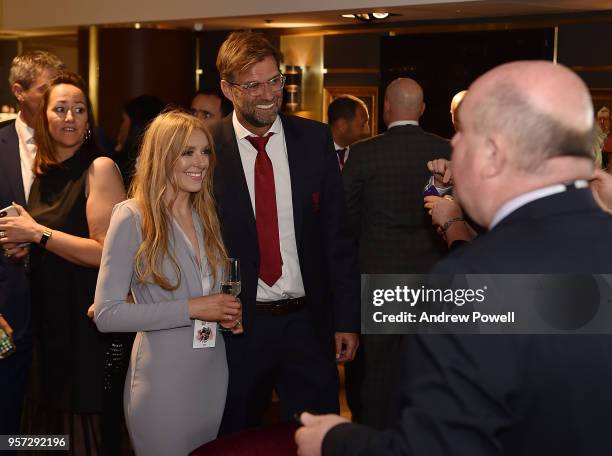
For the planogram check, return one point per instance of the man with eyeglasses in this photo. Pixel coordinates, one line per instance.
(283, 214)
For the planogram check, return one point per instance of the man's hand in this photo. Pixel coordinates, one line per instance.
(16, 251)
(346, 346)
(601, 186)
(309, 438)
(441, 170)
(442, 209)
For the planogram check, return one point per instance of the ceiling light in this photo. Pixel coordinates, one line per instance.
(382, 15)
(370, 16)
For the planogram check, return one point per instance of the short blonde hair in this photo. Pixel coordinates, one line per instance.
(242, 50)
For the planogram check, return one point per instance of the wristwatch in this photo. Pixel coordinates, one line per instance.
(47, 233)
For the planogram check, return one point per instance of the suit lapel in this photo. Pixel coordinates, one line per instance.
(10, 158)
(236, 189)
(297, 163)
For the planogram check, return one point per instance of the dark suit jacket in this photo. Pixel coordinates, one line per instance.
(14, 288)
(327, 255)
(383, 181)
(522, 395)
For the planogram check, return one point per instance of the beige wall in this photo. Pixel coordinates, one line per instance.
(307, 52)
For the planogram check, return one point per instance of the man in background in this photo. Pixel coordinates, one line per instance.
(383, 183)
(29, 77)
(210, 106)
(348, 120)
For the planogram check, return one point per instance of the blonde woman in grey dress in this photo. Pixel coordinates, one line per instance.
(164, 245)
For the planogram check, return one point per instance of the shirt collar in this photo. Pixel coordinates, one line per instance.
(337, 147)
(23, 130)
(398, 123)
(242, 132)
(526, 198)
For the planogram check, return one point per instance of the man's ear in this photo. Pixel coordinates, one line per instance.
(422, 110)
(385, 104)
(227, 90)
(495, 157)
(18, 91)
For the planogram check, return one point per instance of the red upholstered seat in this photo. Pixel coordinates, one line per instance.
(275, 440)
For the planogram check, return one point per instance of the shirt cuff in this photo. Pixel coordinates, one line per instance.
(441, 190)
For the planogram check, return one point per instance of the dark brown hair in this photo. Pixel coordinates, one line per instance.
(45, 154)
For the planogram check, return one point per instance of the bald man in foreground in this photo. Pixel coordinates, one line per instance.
(521, 159)
(383, 186)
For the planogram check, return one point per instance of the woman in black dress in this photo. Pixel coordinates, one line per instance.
(68, 214)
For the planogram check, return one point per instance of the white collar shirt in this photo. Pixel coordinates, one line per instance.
(290, 284)
(399, 123)
(522, 200)
(346, 154)
(27, 152)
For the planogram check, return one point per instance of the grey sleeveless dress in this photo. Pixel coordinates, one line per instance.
(174, 394)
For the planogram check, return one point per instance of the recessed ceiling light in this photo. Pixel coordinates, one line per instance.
(369, 16)
(382, 15)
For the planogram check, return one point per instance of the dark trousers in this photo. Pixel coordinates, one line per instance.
(14, 373)
(280, 352)
(379, 379)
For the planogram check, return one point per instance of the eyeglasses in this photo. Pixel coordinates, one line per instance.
(257, 88)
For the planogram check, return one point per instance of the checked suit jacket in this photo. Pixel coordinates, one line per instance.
(383, 182)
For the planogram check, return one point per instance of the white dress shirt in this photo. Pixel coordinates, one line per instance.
(290, 284)
(515, 203)
(397, 123)
(346, 154)
(27, 152)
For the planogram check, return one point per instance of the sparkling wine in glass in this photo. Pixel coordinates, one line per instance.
(230, 283)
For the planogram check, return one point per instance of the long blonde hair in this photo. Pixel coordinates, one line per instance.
(162, 145)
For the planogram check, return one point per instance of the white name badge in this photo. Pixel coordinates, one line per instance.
(204, 334)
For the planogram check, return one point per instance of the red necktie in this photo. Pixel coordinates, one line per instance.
(266, 216)
(341, 154)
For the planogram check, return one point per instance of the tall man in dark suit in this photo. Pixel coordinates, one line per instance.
(383, 182)
(30, 74)
(521, 158)
(283, 214)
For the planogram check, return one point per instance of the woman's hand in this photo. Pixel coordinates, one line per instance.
(20, 229)
(234, 324)
(224, 308)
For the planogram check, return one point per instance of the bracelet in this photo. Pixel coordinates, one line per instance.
(47, 233)
(448, 223)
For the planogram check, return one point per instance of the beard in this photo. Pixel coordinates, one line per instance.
(257, 117)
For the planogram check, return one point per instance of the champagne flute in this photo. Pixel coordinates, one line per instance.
(230, 284)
